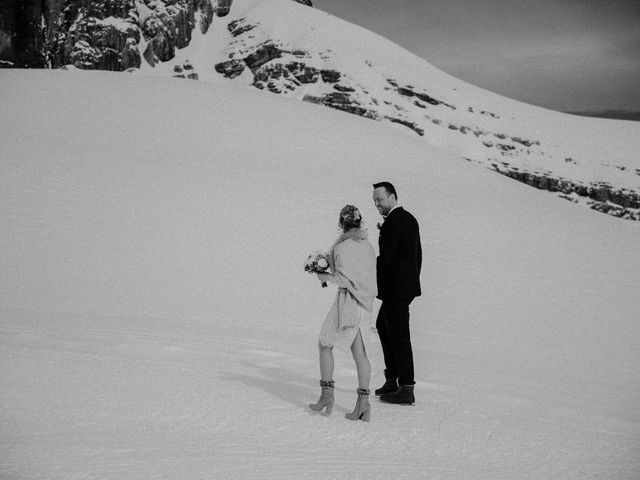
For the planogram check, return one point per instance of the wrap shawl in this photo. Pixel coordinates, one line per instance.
(353, 266)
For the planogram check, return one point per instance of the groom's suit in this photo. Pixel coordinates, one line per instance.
(398, 273)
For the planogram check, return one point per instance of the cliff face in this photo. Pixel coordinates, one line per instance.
(21, 34)
(113, 34)
(101, 34)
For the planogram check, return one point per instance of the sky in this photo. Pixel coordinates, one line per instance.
(567, 55)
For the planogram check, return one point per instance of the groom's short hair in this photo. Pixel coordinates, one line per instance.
(388, 187)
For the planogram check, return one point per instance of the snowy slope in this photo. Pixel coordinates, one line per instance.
(155, 320)
(304, 53)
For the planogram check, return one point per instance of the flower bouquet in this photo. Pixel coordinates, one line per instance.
(317, 262)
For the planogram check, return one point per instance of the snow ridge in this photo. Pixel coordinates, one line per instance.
(285, 47)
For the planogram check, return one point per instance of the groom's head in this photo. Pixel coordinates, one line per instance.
(384, 197)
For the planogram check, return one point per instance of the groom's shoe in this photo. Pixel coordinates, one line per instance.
(403, 396)
(390, 385)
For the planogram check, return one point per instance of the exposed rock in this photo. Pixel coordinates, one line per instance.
(105, 34)
(602, 196)
(222, 8)
(168, 28)
(493, 115)
(505, 147)
(262, 55)
(290, 75)
(268, 73)
(426, 98)
(337, 98)
(240, 26)
(341, 101)
(303, 73)
(21, 33)
(526, 143)
(408, 124)
(207, 11)
(409, 91)
(343, 88)
(330, 76)
(130, 55)
(304, 2)
(185, 71)
(230, 68)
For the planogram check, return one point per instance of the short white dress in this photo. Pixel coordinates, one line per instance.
(342, 338)
(353, 265)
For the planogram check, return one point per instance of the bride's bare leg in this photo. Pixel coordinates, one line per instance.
(326, 381)
(362, 410)
(363, 366)
(326, 362)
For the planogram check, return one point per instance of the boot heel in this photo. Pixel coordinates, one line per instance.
(329, 409)
(366, 415)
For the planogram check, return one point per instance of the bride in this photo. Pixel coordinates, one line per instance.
(348, 324)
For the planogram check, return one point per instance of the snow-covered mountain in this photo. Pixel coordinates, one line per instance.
(291, 49)
(309, 55)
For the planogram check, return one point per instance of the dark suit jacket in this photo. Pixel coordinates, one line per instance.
(400, 259)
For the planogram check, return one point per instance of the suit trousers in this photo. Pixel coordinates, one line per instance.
(393, 328)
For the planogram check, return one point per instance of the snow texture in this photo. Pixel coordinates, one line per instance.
(156, 321)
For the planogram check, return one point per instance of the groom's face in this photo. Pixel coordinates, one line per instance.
(383, 201)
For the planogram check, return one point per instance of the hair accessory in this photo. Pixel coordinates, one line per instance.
(350, 216)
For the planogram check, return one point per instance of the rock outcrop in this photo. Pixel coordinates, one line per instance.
(599, 196)
(21, 33)
(101, 34)
(106, 34)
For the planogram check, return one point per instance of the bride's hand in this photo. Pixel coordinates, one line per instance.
(324, 277)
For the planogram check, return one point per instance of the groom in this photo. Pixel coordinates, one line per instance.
(398, 271)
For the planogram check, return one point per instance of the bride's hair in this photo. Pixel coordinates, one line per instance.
(350, 218)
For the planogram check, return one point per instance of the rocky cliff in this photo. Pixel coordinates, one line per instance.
(101, 34)
(21, 32)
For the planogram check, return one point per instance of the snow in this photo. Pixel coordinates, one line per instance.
(600, 150)
(117, 23)
(156, 320)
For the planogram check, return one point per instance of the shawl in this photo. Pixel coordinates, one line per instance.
(353, 266)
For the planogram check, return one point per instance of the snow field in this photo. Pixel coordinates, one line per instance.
(156, 322)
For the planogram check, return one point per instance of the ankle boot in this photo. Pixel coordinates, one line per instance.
(362, 410)
(326, 397)
(390, 385)
(404, 396)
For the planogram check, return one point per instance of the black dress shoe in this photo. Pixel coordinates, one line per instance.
(402, 396)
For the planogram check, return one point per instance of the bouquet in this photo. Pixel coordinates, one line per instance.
(317, 262)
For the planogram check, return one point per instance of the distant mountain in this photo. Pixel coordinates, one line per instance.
(611, 114)
(289, 49)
